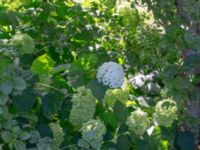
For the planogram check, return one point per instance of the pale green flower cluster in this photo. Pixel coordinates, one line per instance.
(138, 122)
(166, 112)
(24, 43)
(112, 95)
(130, 15)
(83, 107)
(92, 134)
(58, 135)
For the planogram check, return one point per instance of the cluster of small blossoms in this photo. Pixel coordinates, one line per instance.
(130, 15)
(58, 135)
(92, 134)
(112, 95)
(83, 107)
(138, 122)
(122, 7)
(166, 112)
(111, 74)
(24, 43)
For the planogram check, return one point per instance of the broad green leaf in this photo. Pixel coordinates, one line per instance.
(35, 136)
(27, 75)
(23, 135)
(6, 87)
(19, 145)
(109, 118)
(25, 101)
(109, 145)
(5, 61)
(44, 144)
(120, 112)
(123, 142)
(3, 99)
(42, 65)
(7, 136)
(97, 89)
(142, 145)
(50, 105)
(185, 141)
(19, 83)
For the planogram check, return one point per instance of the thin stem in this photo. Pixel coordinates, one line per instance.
(51, 87)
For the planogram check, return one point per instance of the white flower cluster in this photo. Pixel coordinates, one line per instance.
(111, 74)
(122, 6)
(92, 134)
(138, 122)
(166, 112)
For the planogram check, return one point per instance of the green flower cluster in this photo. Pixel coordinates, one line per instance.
(138, 122)
(166, 112)
(24, 43)
(58, 135)
(130, 15)
(83, 107)
(112, 95)
(92, 134)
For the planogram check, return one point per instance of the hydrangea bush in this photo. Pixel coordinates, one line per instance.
(99, 74)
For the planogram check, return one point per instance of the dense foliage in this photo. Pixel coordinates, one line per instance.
(99, 74)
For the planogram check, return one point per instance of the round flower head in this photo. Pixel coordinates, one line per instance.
(83, 107)
(92, 134)
(130, 15)
(112, 95)
(122, 7)
(166, 112)
(111, 74)
(24, 42)
(138, 122)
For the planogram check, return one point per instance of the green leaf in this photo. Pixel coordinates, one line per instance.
(109, 118)
(6, 87)
(25, 101)
(185, 141)
(45, 130)
(44, 144)
(3, 99)
(98, 90)
(191, 63)
(19, 83)
(5, 61)
(123, 142)
(142, 145)
(50, 104)
(109, 145)
(42, 65)
(120, 111)
(7, 136)
(19, 145)
(23, 135)
(27, 75)
(35, 136)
